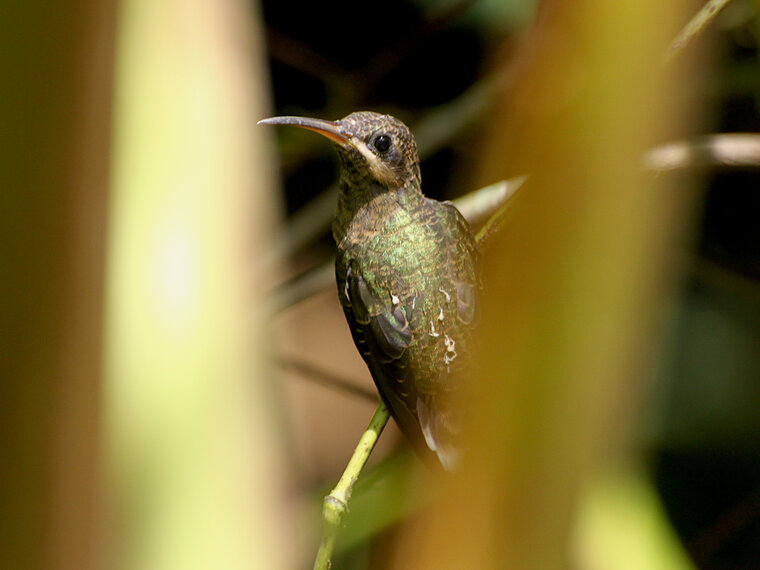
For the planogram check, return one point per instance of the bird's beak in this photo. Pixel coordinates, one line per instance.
(330, 129)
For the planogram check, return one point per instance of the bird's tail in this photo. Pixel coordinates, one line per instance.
(441, 426)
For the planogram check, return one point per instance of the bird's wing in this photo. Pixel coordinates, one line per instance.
(380, 329)
(440, 412)
(380, 325)
(467, 276)
(441, 425)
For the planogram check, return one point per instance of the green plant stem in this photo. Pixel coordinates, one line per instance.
(335, 505)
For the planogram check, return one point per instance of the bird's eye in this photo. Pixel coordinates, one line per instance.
(382, 143)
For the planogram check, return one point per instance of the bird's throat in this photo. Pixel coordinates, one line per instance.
(370, 209)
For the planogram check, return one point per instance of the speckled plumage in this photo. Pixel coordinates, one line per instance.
(407, 279)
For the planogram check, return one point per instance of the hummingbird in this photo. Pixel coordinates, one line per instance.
(407, 276)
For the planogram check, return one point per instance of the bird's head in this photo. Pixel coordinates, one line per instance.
(370, 145)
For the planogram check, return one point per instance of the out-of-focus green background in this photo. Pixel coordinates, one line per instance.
(167, 324)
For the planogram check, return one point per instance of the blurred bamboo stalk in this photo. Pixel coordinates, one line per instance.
(575, 282)
(56, 68)
(194, 464)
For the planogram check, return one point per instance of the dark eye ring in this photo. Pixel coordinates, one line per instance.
(382, 143)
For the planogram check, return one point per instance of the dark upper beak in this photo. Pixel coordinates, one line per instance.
(330, 129)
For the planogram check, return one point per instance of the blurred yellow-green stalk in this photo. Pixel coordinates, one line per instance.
(194, 463)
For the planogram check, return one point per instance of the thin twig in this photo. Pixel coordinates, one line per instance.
(302, 57)
(308, 222)
(695, 27)
(336, 503)
(727, 527)
(732, 150)
(304, 286)
(442, 124)
(498, 213)
(389, 58)
(327, 379)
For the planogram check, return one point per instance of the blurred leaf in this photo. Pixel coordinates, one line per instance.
(622, 525)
